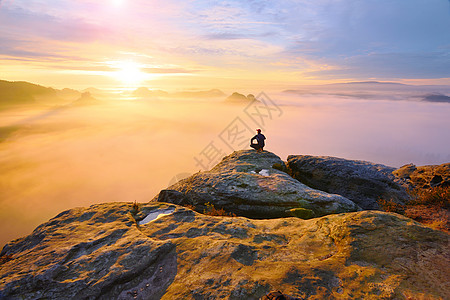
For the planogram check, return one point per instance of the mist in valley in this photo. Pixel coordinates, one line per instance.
(54, 158)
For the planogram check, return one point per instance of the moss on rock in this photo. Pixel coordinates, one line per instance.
(302, 213)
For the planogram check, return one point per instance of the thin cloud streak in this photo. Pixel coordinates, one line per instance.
(339, 39)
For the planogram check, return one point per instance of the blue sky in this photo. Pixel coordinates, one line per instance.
(190, 42)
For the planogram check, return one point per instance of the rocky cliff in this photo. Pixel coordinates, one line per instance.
(412, 176)
(171, 252)
(167, 251)
(360, 181)
(250, 184)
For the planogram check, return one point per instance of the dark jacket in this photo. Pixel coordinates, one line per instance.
(260, 138)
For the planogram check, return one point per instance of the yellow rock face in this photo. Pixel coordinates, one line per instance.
(102, 252)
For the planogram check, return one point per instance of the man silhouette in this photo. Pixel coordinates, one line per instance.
(259, 141)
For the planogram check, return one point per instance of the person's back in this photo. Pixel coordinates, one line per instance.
(259, 137)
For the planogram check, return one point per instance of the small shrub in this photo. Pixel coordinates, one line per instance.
(5, 258)
(135, 208)
(212, 211)
(439, 224)
(438, 196)
(391, 206)
(427, 206)
(280, 167)
(191, 207)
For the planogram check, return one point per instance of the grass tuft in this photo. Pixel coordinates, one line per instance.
(191, 207)
(135, 208)
(212, 211)
(391, 206)
(5, 258)
(438, 196)
(427, 206)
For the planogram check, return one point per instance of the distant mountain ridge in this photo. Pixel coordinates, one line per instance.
(86, 99)
(372, 82)
(21, 92)
(208, 93)
(373, 90)
(436, 98)
(376, 84)
(15, 93)
(145, 92)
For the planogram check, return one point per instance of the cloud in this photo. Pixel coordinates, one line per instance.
(340, 38)
(44, 39)
(389, 66)
(372, 39)
(167, 71)
(237, 36)
(226, 36)
(352, 39)
(230, 20)
(23, 50)
(34, 26)
(129, 151)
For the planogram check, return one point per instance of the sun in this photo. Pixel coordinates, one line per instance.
(128, 72)
(117, 2)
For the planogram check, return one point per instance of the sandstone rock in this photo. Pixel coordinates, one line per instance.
(360, 181)
(240, 98)
(411, 176)
(86, 99)
(246, 184)
(102, 252)
(93, 253)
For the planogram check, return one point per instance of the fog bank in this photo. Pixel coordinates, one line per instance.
(53, 159)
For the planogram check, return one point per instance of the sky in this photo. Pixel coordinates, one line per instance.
(179, 44)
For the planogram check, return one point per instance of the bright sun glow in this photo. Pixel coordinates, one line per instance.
(117, 2)
(129, 72)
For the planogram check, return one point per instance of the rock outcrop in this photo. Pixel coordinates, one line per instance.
(171, 252)
(240, 98)
(85, 100)
(246, 183)
(166, 251)
(423, 177)
(436, 97)
(362, 182)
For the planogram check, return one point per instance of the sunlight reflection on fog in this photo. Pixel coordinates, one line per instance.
(52, 160)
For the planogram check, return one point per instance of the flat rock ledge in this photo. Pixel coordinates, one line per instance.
(251, 184)
(102, 252)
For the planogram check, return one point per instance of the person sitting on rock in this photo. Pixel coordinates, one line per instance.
(259, 141)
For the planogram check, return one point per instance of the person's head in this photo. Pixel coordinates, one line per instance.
(258, 130)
